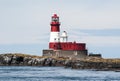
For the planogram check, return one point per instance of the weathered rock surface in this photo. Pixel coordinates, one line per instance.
(29, 60)
(86, 63)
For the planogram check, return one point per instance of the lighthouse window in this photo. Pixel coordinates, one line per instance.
(58, 39)
(55, 19)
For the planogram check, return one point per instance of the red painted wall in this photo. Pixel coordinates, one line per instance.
(67, 46)
(55, 27)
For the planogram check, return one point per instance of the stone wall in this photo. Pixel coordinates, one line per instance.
(64, 53)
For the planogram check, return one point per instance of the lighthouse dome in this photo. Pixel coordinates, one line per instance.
(64, 37)
(64, 34)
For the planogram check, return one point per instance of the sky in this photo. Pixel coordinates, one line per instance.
(25, 25)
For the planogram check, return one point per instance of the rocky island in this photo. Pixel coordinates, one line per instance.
(92, 63)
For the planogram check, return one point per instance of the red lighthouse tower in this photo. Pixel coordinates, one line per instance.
(55, 33)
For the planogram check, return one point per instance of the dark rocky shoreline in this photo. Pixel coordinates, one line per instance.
(98, 64)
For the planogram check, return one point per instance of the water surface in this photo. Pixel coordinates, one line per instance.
(25, 73)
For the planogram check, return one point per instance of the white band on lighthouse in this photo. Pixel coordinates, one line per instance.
(55, 37)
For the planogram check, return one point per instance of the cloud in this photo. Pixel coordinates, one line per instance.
(102, 41)
(27, 21)
(93, 20)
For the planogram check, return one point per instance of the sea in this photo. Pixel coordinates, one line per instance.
(33, 73)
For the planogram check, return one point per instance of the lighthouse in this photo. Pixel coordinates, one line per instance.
(59, 45)
(55, 33)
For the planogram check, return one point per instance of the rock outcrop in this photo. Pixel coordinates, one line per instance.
(86, 63)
